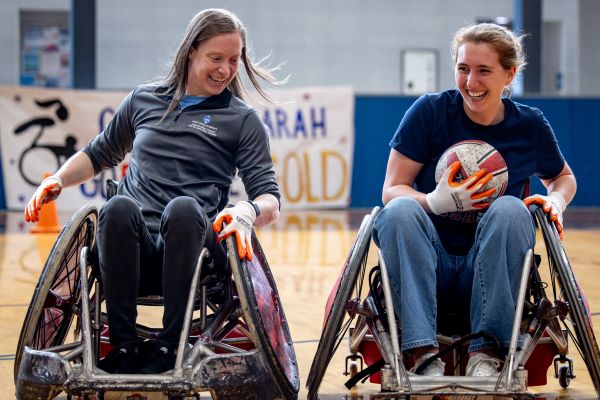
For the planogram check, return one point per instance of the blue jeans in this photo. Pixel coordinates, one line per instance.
(423, 274)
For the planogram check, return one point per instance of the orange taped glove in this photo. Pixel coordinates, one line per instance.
(48, 191)
(452, 196)
(238, 220)
(553, 204)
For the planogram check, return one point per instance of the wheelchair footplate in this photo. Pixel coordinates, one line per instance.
(227, 376)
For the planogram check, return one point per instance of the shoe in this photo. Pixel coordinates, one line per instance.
(481, 364)
(163, 359)
(120, 360)
(436, 368)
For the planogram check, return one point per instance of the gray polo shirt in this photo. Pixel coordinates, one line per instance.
(192, 152)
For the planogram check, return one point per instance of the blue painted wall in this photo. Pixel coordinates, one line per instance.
(573, 121)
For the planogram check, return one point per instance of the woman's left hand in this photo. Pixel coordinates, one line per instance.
(553, 204)
(238, 220)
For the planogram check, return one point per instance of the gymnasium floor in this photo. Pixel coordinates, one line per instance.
(305, 251)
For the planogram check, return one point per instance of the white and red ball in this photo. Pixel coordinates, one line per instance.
(473, 156)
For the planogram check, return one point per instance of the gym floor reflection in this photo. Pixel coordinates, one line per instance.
(306, 251)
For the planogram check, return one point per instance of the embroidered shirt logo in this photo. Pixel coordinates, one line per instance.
(203, 125)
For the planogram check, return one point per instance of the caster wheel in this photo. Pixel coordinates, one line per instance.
(564, 376)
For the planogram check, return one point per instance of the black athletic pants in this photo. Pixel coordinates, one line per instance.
(134, 261)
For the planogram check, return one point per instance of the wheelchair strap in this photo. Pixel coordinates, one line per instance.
(365, 373)
(376, 366)
(456, 344)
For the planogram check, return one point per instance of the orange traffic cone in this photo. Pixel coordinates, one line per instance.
(48, 222)
(44, 244)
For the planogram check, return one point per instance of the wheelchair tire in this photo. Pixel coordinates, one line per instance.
(265, 317)
(334, 329)
(57, 293)
(579, 315)
(564, 376)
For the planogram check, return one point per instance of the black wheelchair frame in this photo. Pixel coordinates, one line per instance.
(239, 346)
(361, 312)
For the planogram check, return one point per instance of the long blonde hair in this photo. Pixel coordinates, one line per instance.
(205, 25)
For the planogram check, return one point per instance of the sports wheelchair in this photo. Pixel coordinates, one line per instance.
(551, 308)
(238, 347)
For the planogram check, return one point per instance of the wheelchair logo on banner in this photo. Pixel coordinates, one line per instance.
(61, 152)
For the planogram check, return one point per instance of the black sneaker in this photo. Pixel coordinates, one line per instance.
(163, 359)
(120, 360)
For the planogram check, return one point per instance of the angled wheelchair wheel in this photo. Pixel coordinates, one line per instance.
(56, 298)
(265, 317)
(565, 288)
(337, 319)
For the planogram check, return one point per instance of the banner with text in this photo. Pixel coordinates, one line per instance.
(311, 136)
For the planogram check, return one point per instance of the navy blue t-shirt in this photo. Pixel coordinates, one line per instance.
(437, 121)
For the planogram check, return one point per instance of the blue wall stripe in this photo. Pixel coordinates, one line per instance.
(376, 118)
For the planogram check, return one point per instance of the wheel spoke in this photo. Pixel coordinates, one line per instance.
(54, 302)
(565, 288)
(338, 320)
(47, 327)
(60, 302)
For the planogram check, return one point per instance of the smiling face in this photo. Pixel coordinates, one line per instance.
(213, 64)
(481, 79)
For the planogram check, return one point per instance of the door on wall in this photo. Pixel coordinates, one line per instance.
(552, 75)
(419, 71)
(45, 54)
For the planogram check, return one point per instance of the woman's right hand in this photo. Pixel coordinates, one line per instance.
(452, 196)
(48, 191)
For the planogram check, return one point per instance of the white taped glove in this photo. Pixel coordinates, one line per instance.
(238, 220)
(452, 196)
(554, 204)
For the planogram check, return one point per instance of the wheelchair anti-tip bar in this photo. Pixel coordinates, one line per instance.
(188, 314)
(397, 364)
(512, 350)
(85, 313)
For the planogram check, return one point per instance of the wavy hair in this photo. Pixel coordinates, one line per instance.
(205, 25)
(506, 43)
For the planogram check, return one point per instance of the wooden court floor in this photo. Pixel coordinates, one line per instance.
(305, 251)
